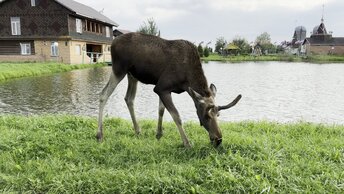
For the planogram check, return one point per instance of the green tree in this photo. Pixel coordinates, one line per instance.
(206, 51)
(263, 38)
(243, 45)
(220, 44)
(264, 41)
(149, 28)
(200, 50)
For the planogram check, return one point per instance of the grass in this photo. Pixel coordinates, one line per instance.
(18, 70)
(59, 154)
(289, 58)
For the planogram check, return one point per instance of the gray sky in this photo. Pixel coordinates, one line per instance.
(206, 20)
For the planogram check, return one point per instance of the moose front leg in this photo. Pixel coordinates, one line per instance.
(159, 132)
(166, 99)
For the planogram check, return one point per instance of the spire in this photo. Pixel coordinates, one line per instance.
(322, 17)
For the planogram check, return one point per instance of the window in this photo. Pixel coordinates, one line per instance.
(15, 25)
(54, 49)
(33, 3)
(107, 29)
(94, 27)
(78, 49)
(78, 25)
(25, 48)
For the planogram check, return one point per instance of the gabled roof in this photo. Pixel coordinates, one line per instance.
(118, 32)
(83, 10)
(320, 29)
(86, 11)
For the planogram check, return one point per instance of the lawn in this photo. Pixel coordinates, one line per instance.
(18, 70)
(59, 154)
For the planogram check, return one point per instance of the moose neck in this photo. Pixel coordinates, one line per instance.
(198, 82)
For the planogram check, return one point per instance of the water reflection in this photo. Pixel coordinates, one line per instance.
(271, 91)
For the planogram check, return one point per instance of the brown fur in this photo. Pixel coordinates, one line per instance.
(170, 65)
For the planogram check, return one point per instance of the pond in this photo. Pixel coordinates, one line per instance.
(273, 91)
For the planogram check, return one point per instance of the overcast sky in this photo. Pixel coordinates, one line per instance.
(206, 20)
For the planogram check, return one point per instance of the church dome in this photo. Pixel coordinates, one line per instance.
(300, 33)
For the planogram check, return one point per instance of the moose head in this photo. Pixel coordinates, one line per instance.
(207, 112)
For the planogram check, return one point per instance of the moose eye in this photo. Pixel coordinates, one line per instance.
(210, 112)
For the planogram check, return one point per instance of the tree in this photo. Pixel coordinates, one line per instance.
(242, 43)
(200, 50)
(206, 51)
(263, 38)
(220, 44)
(149, 28)
(264, 41)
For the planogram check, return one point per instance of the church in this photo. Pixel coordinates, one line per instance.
(321, 42)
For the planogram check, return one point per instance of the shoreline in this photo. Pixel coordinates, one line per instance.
(317, 59)
(12, 70)
(19, 70)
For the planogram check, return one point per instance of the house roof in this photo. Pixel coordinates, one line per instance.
(83, 10)
(118, 32)
(86, 11)
(335, 41)
(231, 46)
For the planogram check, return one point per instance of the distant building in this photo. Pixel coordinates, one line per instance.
(119, 32)
(299, 36)
(54, 30)
(322, 42)
(231, 49)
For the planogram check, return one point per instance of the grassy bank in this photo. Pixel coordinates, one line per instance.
(18, 70)
(59, 154)
(288, 58)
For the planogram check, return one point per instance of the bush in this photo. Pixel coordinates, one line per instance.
(200, 50)
(206, 52)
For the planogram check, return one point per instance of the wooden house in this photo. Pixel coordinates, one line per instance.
(54, 30)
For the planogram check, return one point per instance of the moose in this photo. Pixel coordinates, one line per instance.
(170, 65)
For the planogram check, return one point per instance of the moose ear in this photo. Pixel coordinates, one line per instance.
(213, 89)
(194, 95)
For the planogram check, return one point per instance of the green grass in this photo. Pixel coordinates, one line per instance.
(288, 58)
(59, 154)
(18, 70)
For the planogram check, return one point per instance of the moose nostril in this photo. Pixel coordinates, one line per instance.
(218, 141)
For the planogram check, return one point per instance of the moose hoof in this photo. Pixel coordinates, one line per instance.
(99, 137)
(158, 136)
(137, 131)
(187, 145)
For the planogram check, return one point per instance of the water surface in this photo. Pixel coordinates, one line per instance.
(274, 91)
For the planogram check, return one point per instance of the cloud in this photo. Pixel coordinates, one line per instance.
(205, 20)
(164, 14)
(253, 5)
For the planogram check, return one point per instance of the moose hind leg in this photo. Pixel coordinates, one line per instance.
(104, 96)
(159, 132)
(129, 99)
